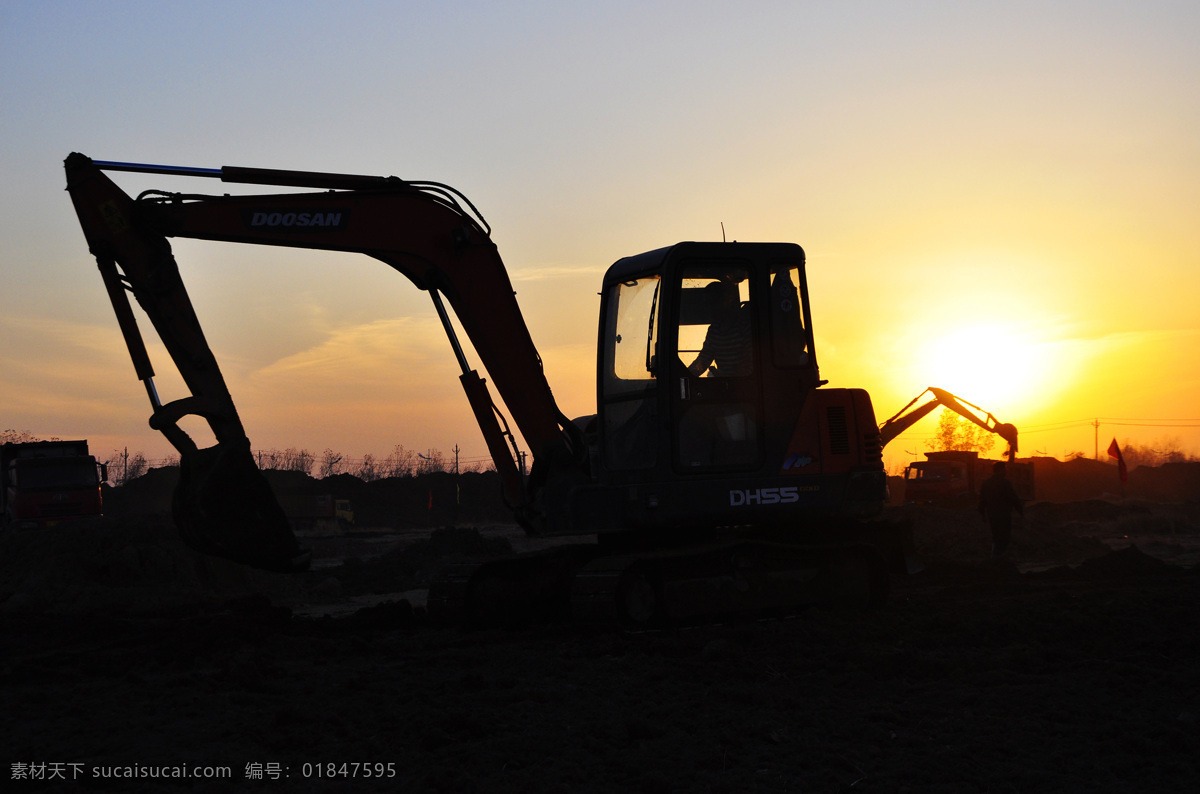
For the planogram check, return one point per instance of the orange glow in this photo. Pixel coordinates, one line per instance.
(989, 365)
(1000, 202)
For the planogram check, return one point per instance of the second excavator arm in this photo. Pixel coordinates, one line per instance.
(909, 415)
(421, 229)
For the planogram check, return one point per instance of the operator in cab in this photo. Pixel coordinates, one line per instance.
(728, 349)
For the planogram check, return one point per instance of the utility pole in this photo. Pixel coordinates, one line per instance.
(1096, 452)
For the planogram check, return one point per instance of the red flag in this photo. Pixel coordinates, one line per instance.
(1114, 451)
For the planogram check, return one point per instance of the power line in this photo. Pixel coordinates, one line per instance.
(1051, 428)
(1073, 423)
(1195, 423)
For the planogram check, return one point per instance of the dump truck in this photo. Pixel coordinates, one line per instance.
(316, 512)
(49, 482)
(955, 476)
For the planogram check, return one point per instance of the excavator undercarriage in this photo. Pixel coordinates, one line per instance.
(639, 587)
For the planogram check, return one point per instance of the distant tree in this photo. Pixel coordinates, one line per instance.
(137, 466)
(432, 461)
(1136, 455)
(11, 436)
(290, 459)
(123, 467)
(331, 463)
(400, 462)
(300, 460)
(956, 434)
(1162, 450)
(116, 466)
(368, 469)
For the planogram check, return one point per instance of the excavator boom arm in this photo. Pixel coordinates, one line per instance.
(908, 416)
(420, 229)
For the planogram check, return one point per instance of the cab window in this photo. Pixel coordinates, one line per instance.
(787, 318)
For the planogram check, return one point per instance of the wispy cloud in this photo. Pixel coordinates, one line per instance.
(1123, 341)
(547, 272)
(61, 374)
(402, 349)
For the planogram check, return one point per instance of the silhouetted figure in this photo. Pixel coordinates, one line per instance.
(722, 430)
(997, 501)
(729, 342)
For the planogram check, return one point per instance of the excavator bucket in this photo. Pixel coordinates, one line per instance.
(223, 506)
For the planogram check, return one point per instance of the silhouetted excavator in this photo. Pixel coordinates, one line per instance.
(908, 416)
(949, 475)
(718, 475)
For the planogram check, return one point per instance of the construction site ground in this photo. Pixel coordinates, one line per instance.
(1072, 666)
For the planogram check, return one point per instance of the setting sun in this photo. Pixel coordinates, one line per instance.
(988, 364)
(1019, 232)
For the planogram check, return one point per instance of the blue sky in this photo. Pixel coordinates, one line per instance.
(1019, 175)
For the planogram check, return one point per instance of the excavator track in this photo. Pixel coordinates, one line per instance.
(723, 581)
(513, 591)
(654, 589)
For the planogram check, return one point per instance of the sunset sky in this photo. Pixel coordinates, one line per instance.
(1000, 199)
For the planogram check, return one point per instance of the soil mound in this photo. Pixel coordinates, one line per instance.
(137, 565)
(1129, 562)
(974, 676)
(426, 500)
(1088, 511)
(1083, 479)
(1056, 536)
(414, 565)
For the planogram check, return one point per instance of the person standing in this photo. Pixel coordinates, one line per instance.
(997, 501)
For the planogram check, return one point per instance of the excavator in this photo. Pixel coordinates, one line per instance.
(717, 477)
(947, 476)
(909, 415)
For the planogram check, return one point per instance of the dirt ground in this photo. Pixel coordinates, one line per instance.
(1071, 667)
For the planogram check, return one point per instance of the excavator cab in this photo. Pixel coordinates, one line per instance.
(690, 337)
(708, 408)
